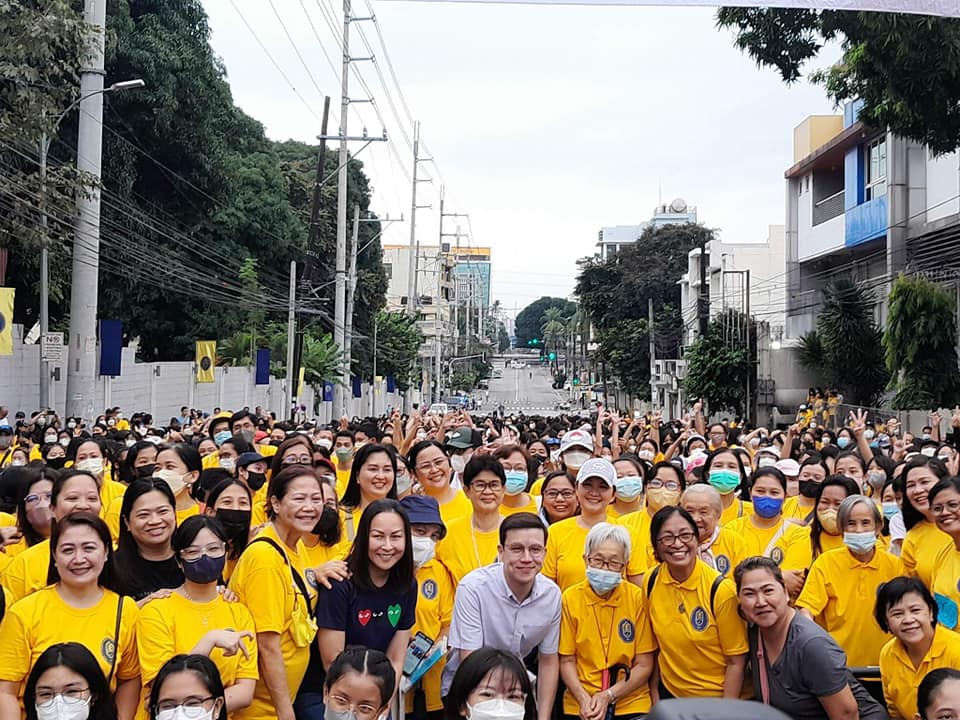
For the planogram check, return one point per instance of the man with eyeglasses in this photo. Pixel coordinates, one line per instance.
(512, 607)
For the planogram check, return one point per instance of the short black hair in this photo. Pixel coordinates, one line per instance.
(479, 464)
(475, 667)
(660, 519)
(892, 592)
(930, 685)
(241, 415)
(199, 665)
(80, 660)
(364, 661)
(521, 521)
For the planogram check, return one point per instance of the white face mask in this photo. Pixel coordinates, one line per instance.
(498, 709)
(184, 713)
(575, 458)
(65, 442)
(423, 549)
(61, 708)
(94, 466)
(325, 443)
(49, 439)
(458, 463)
(228, 463)
(403, 483)
(172, 478)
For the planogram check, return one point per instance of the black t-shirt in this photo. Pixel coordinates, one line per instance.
(138, 578)
(811, 665)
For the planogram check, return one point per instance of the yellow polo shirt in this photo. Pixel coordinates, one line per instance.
(900, 678)
(921, 546)
(464, 548)
(433, 615)
(792, 509)
(728, 550)
(27, 572)
(944, 585)
(738, 510)
(790, 542)
(641, 550)
(530, 507)
(563, 562)
(459, 506)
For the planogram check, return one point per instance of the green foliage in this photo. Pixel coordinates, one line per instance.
(906, 68)
(920, 345)
(846, 348)
(529, 321)
(625, 346)
(718, 364)
(398, 342)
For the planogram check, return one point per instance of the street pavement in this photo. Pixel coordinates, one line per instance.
(526, 389)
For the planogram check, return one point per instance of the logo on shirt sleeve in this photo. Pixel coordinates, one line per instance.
(626, 630)
(699, 619)
(776, 555)
(108, 649)
(429, 589)
(312, 578)
(723, 564)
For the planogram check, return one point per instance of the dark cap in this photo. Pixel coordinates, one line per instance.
(423, 510)
(249, 458)
(461, 438)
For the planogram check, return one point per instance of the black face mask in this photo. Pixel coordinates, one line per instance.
(328, 526)
(276, 443)
(809, 488)
(56, 463)
(145, 471)
(236, 523)
(256, 480)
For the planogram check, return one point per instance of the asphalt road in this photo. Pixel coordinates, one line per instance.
(527, 389)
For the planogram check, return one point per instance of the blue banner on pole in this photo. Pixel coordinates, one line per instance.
(263, 367)
(391, 384)
(356, 382)
(111, 347)
(327, 391)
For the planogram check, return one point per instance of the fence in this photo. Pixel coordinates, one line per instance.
(162, 388)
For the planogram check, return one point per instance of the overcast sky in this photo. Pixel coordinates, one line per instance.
(546, 122)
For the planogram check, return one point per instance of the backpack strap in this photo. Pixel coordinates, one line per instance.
(301, 585)
(652, 580)
(713, 594)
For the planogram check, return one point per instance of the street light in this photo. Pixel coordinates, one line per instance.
(121, 86)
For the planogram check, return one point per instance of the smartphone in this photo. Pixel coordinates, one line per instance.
(417, 649)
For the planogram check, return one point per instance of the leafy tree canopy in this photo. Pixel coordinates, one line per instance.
(529, 322)
(718, 364)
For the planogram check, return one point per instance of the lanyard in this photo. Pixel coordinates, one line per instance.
(605, 647)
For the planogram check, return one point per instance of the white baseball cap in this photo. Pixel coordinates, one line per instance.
(598, 467)
(576, 438)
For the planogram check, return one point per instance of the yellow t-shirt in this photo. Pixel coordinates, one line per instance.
(110, 491)
(44, 619)
(900, 678)
(459, 506)
(433, 615)
(343, 479)
(320, 554)
(563, 562)
(728, 551)
(7, 520)
(788, 543)
(641, 550)
(174, 625)
(258, 506)
(537, 487)
(921, 546)
(944, 585)
(793, 511)
(695, 643)
(530, 507)
(739, 509)
(601, 633)
(840, 591)
(465, 548)
(27, 572)
(263, 582)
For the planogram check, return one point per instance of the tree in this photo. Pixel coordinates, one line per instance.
(529, 320)
(846, 347)
(920, 345)
(627, 353)
(398, 344)
(718, 364)
(905, 68)
(554, 328)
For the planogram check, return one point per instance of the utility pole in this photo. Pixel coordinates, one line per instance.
(340, 276)
(82, 354)
(748, 404)
(703, 299)
(373, 395)
(292, 374)
(351, 289)
(653, 352)
(44, 275)
(412, 269)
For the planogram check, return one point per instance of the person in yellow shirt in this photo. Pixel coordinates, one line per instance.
(703, 647)
(195, 618)
(229, 503)
(77, 606)
(724, 471)
(71, 670)
(516, 466)
(945, 506)
(563, 562)
(179, 466)
(720, 548)
(325, 549)
(924, 540)
(558, 498)
(295, 450)
(906, 609)
(269, 581)
(74, 491)
(436, 593)
(844, 581)
(628, 490)
(432, 469)
(825, 531)
(606, 643)
(90, 455)
(471, 541)
(34, 516)
(813, 471)
(664, 489)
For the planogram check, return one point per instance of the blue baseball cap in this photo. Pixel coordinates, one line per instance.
(423, 510)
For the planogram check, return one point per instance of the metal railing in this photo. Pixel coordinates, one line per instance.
(828, 208)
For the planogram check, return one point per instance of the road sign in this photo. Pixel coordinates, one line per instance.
(51, 347)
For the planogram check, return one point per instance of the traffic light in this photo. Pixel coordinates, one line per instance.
(576, 381)
(535, 341)
(553, 356)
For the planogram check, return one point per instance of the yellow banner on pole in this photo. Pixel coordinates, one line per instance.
(206, 360)
(6, 321)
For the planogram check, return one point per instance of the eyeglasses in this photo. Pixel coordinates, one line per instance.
(536, 551)
(554, 494)
(440, 464)
(951, 507)
(71, 695)
(601, 564)
(195, 553)
(191, 708)
(37, 498)
(362, 710)
(298, 460)
(669, 539)
(482, 487)
(669, 484)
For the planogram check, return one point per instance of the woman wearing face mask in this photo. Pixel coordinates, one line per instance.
(90, 455)
(812, 473)
(893, 528)
(19, 457)
(66, 683)
(559, 498)
(230, 450)
(359, 685)
(663, 489)
(375, 607)
(703, 647)
(187, 686)
(195, 618)
(78, 605)
(906, 609)
(724, 471)
(179, 466)
(432, 470)
(797, 667)
(539, 459)
(372, 477)
(924, 541)
(54, 456)
(146, 566)
(826, 531)
(404, 476)
(229, 502)
(140, 462)
(576, 447)
(73, 491)
(516, 468)
(600, 603)
(628, 491)
(843, 581)
(490, 684)
(434, 601)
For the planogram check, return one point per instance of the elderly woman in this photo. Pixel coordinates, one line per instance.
(843, 581)
(720, 548)
(604, 625)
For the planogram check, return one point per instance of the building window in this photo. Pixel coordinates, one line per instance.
(388, 270)
(876, 169)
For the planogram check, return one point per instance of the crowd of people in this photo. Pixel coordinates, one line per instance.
(230, 565)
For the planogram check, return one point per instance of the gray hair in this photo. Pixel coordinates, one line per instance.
(604, 532)
(849, 503)
(711, 493)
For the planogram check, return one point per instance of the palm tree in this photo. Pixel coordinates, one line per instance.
(553, 329)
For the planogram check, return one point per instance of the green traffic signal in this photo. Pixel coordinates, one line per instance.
(553, 356)
(536, 341)
(576, 381)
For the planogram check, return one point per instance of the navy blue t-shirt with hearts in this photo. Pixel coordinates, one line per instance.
(368, 618)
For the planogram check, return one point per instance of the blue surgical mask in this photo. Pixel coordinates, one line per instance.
(628, 488)
(725, 481)
(890, 509)
(861, 542)
(767, 507)
(221, 437)
(603, 581)
(516, 482)
(843, 441)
